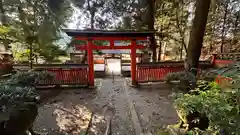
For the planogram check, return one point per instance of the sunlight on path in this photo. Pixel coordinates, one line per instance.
(132, 110)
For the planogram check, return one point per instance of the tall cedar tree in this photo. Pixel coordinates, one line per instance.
(197, 34)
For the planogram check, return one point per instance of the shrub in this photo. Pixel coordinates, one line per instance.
(186, 80)
(18, 100)
(211, 108)
(219, 107)
(208, 75)
(29, 78)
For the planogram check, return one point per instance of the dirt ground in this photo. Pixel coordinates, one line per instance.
(131, 110)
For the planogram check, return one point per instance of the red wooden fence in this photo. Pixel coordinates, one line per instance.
(157, 72)
(225, 59)
(65, 74)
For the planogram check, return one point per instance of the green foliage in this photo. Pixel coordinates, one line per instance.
(223, 20)
(4, 29)
(98, 14)
(6, 36)
(179, 76)
(220, 107)
(12, 96)
(197, 131)
(20, 87)
(50, 52)
(76, 42)
(173, 25)
(161, 132)
(189, 103)
(38, 24)
(18, 99)
(208, 75)
(20, 55)
(28, 78)
(186, 80)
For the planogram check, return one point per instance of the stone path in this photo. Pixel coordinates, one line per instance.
(113, 94)
(133, 111)
(153, 104)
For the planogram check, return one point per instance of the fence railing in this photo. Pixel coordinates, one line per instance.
(65, 74)
(158, 71)
(228, 56)
(225, 59)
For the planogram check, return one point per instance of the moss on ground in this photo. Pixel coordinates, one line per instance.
(162, 132)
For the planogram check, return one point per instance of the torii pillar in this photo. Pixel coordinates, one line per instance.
(134, 62)
(90, 63)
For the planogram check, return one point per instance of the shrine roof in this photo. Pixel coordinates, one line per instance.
(109, 33)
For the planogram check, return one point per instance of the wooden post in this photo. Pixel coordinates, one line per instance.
(133, 62)
(111, 43)
(90, 63)
(214, 57)
(121, 64)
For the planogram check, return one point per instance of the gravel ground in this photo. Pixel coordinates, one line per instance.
(69, 111)
(154, 107)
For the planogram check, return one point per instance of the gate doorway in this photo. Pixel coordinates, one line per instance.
(113, 66)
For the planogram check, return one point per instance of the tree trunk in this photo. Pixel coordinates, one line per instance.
(197, 34)
(92, 19)
(151, 22)
(181, 53)
(223, 25)
(235, 31)
(164, 50)
(160, 52)
(161, 35)
(4, 23)
(3, 15)
(212, 42)
(127, 22)
(92, 14)
(84, 59)
(180, 30)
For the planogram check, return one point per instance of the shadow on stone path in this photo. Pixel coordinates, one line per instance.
(69, 112)
(154, 106)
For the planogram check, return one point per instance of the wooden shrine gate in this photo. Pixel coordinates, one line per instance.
(111, 37)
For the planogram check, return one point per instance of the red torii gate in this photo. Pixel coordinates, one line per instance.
(110, 36)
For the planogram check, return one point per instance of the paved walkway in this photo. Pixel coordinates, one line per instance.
(133, 111)
(113, 94)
